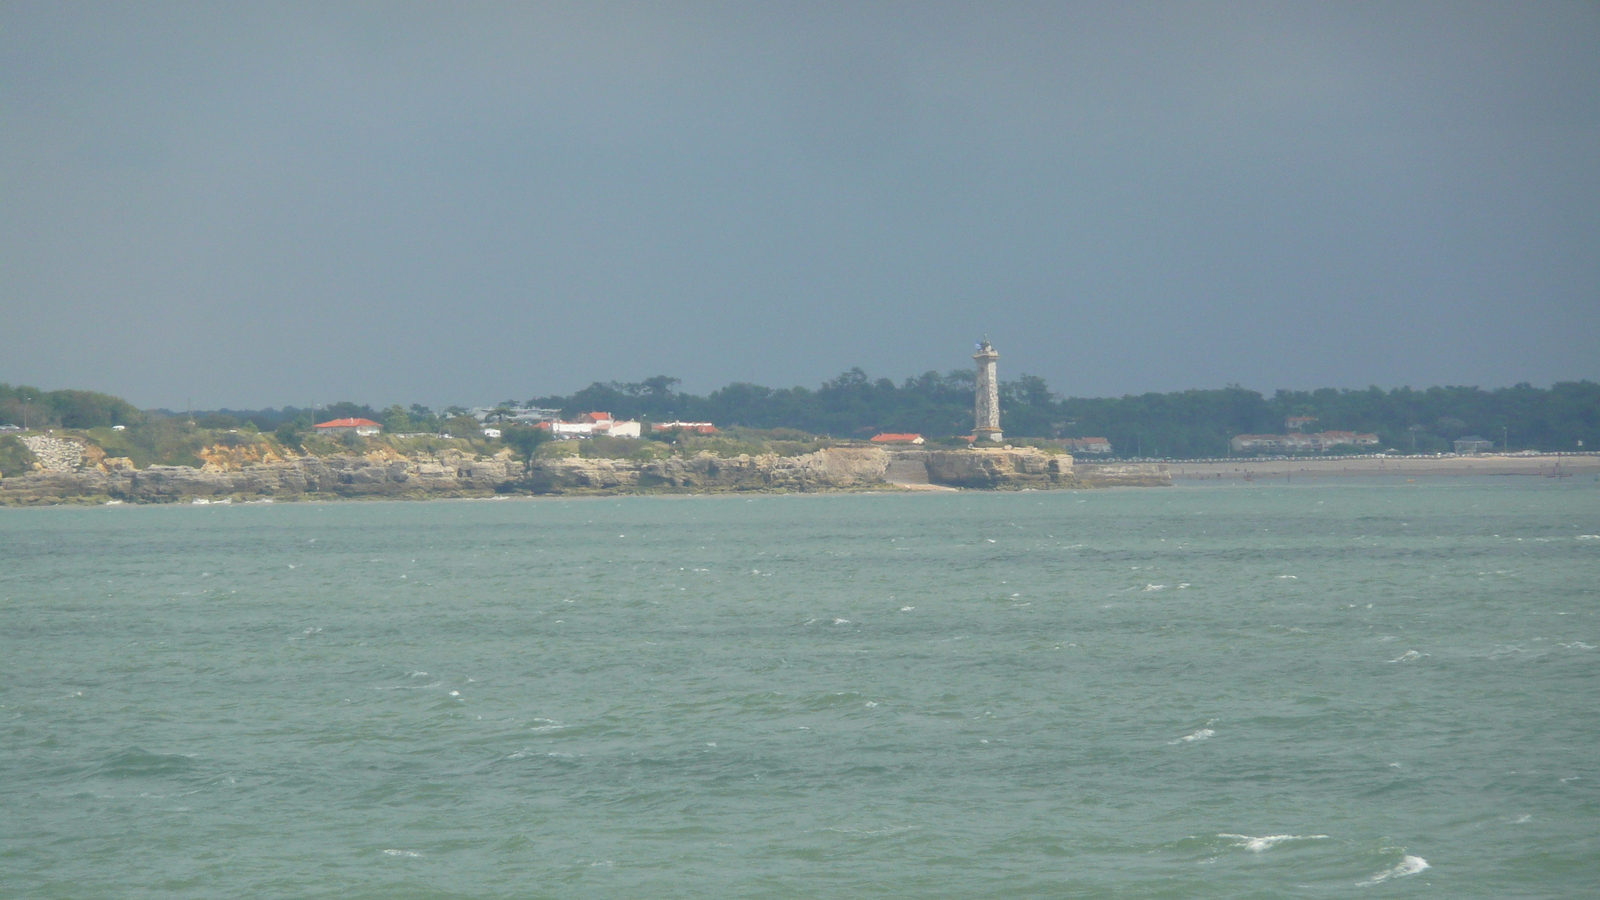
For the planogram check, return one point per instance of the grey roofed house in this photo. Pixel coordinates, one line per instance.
(1473, 444)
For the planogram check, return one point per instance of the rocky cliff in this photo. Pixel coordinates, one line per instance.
(81, 473)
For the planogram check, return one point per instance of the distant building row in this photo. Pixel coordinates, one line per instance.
(601, 424)
(1295, 442)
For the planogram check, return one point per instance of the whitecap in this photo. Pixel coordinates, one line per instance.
(1288, 578)
(1193, 736)
(907, 608)
(1409, 656)
(1410, 865)
(1578, 645)
(1155, 587)
(1267, 842)
(841, 621)
(407, 853)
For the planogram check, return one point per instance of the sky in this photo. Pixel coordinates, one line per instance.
(249, 205)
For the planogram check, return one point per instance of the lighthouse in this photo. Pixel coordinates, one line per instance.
(987, 405)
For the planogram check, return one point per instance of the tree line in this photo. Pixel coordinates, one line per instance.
(1182, 424)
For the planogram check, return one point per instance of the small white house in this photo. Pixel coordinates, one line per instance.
(491, 432)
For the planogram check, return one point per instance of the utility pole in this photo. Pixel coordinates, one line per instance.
(1505, 440)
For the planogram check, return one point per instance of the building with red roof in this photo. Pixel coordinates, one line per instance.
(363, 427)
(897, 439)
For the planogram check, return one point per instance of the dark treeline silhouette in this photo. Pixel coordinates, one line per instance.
(1195, 423)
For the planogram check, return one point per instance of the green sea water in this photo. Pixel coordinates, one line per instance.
(1352, 690)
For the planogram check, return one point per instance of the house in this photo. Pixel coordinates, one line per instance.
(1087, 445)
(362, 427)
(1473, 444)
(694, 427)
(1298, 423)
(897, 439)
(1339, 438)
(491, 432)
(594, 424)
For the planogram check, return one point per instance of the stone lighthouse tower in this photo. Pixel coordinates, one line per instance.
(987, 406)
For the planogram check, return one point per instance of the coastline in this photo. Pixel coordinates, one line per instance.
(387, 475)
(1544, 465)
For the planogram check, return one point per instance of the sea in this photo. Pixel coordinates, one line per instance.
(1329, 689)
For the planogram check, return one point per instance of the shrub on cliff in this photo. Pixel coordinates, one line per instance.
(287, 436)
(15, 457)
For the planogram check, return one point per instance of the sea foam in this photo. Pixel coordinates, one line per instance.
(1410, 865)
(1267, 842)
(1193, 736)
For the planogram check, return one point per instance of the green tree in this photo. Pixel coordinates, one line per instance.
(524, 439)
(395, 419)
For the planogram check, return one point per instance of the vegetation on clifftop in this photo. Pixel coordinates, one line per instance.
(756, 419)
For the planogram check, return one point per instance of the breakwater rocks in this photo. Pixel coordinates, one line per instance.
(455, 474)
(53, 454)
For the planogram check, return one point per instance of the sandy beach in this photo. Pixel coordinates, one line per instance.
(1546, 465)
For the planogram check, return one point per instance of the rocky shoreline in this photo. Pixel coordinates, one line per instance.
(75, 475)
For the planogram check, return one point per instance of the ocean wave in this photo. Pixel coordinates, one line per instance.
(137, 762)
(1409, 865)
(1267, 842)
(1191, 737)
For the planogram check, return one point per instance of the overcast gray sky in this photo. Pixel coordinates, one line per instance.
(266, 204)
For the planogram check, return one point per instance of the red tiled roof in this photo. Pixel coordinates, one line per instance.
(895, 438)
(348, 423)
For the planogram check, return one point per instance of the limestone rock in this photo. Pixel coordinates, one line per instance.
(67, 474)
(999, 469)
